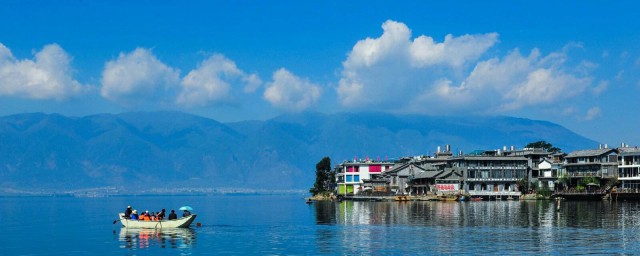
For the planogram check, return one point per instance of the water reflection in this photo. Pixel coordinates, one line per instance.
(163, 238)
(599, 214)
(484, 227)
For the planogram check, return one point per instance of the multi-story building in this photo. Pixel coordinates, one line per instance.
(351, 176)
(629, 168)
(601, 163)
(489, 173)
(486, 173)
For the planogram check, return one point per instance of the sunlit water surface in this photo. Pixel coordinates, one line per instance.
(284, 224)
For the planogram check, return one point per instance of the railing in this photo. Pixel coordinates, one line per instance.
(494, 193)
(493, 179)
(581, 174)
(626, 190)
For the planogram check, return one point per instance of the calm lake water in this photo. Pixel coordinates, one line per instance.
(284, 224)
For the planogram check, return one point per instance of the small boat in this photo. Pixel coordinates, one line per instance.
(476, 198)
(401, 198)
(177, 223)
(449, 197)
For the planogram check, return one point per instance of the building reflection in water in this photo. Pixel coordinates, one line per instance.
(375, 225)
(163, 238)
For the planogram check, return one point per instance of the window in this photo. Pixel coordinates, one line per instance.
(356, 178)
(349, 178)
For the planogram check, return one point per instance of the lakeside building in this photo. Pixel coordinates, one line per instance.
(601, 163)
(351, 177)
(490, 173)
(629, 168)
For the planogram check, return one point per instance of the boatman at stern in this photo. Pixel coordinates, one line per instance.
(127, 212)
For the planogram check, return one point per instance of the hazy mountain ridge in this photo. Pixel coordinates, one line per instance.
(143, 150)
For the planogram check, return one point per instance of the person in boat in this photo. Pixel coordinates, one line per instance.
(145, 216)
(127, 212)
(160, 215)
(186, 213)
(134, 215)
(173, 215)
(153, 216)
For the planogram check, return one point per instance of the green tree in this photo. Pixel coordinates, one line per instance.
(590, 180)
(564, 180)
(324, 177)
(544, 145)
(523, 185)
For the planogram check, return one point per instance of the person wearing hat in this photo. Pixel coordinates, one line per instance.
(127, 212)
(134, 215)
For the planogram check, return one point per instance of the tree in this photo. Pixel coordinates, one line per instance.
(564, 180)
(523, 185)
(324, 177)
(544, 145)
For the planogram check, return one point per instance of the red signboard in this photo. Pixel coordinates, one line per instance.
(445, 187)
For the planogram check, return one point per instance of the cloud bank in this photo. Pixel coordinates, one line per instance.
(137, 77)
(289, 92)
(48, 76)
(395, 73)
(212, 82)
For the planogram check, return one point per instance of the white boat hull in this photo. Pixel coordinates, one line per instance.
(183, 222)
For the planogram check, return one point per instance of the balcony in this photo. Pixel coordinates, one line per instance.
(494, 193)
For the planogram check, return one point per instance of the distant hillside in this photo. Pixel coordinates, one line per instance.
(140, 151)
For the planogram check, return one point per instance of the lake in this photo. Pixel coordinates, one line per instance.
(284, 224)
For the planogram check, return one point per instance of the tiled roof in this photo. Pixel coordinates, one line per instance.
(503, 158)
(590, 152)
(427, 174)
(629, 151)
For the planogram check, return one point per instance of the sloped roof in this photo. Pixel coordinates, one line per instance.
(449, 175)
(629, 151)
(396, 169)
(545, 160)
(590, 152)
(427, 174)
(503, 158)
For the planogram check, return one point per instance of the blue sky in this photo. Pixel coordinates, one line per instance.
(573, 64)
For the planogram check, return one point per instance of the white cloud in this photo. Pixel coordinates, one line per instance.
(212, 82)
(569, 111)
(290, 92)
(592, 113)
(454, 51)
(383, 71)
(601, 87)
(48, 76)
(517, 81)
(619, 75)
(253, 83)
(137, 77)
(393, 73)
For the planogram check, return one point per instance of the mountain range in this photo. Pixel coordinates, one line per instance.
(138, 151)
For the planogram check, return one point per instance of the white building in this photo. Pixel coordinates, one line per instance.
(351, 176)
(629, 167)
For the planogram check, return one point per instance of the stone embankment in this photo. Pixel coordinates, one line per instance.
(323, 196)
